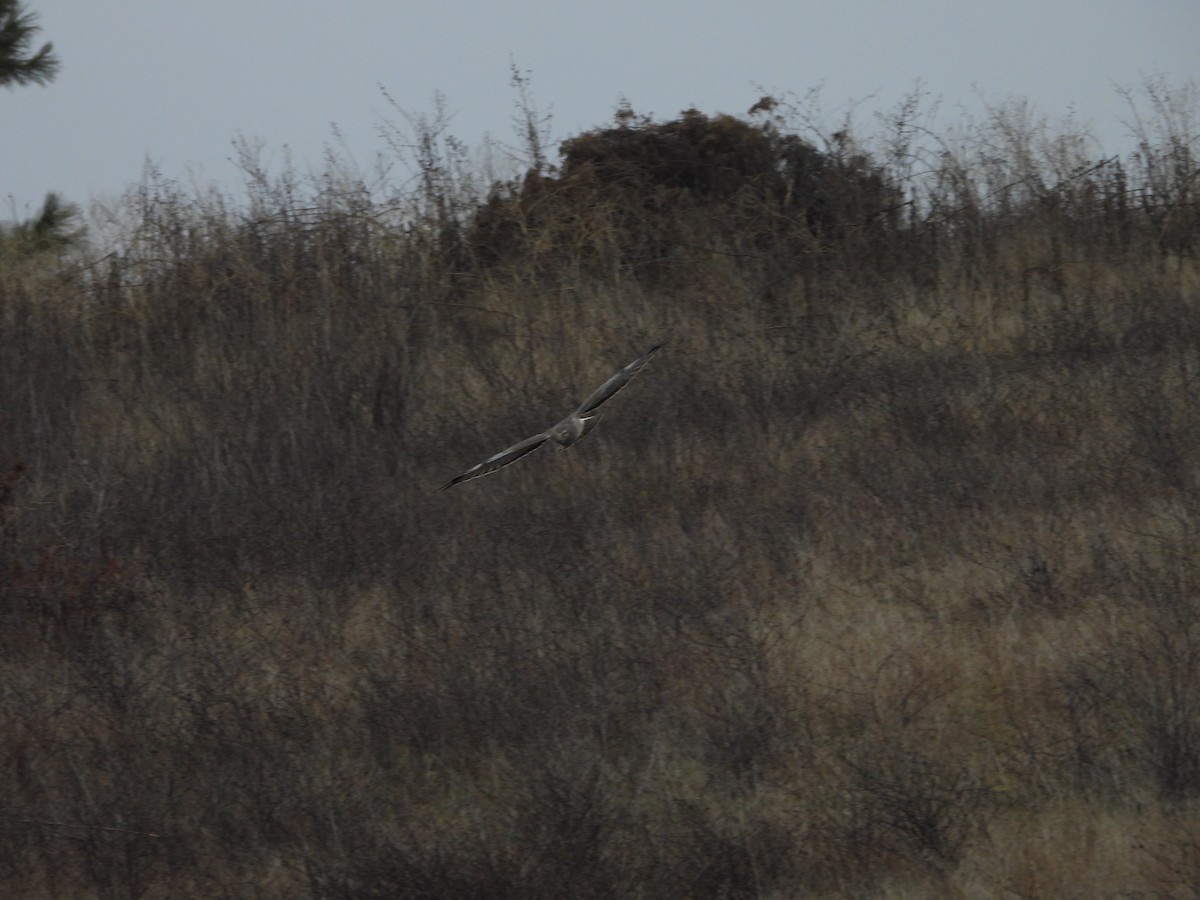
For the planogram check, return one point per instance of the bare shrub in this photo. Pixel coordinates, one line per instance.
(1138, 699)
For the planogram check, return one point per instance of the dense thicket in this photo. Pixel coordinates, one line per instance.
(881, 580)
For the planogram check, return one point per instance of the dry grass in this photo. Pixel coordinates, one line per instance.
(880, 582)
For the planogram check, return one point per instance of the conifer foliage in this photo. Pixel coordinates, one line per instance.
(18, 65)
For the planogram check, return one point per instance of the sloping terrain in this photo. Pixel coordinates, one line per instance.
(880, 580)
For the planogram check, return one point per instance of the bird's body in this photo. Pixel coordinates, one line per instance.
(566, 432)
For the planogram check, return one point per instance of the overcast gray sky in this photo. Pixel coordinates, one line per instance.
(175, 82)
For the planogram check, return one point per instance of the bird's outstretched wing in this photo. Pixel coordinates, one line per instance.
(501, 459)
(618, 381)
(586, 412)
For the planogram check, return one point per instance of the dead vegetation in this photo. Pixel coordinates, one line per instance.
(882, 583)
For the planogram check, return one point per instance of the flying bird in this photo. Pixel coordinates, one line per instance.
(566, 432)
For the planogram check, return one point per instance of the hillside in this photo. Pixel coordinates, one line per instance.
(881, 580)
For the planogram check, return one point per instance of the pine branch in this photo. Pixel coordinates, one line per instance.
(17, 67)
